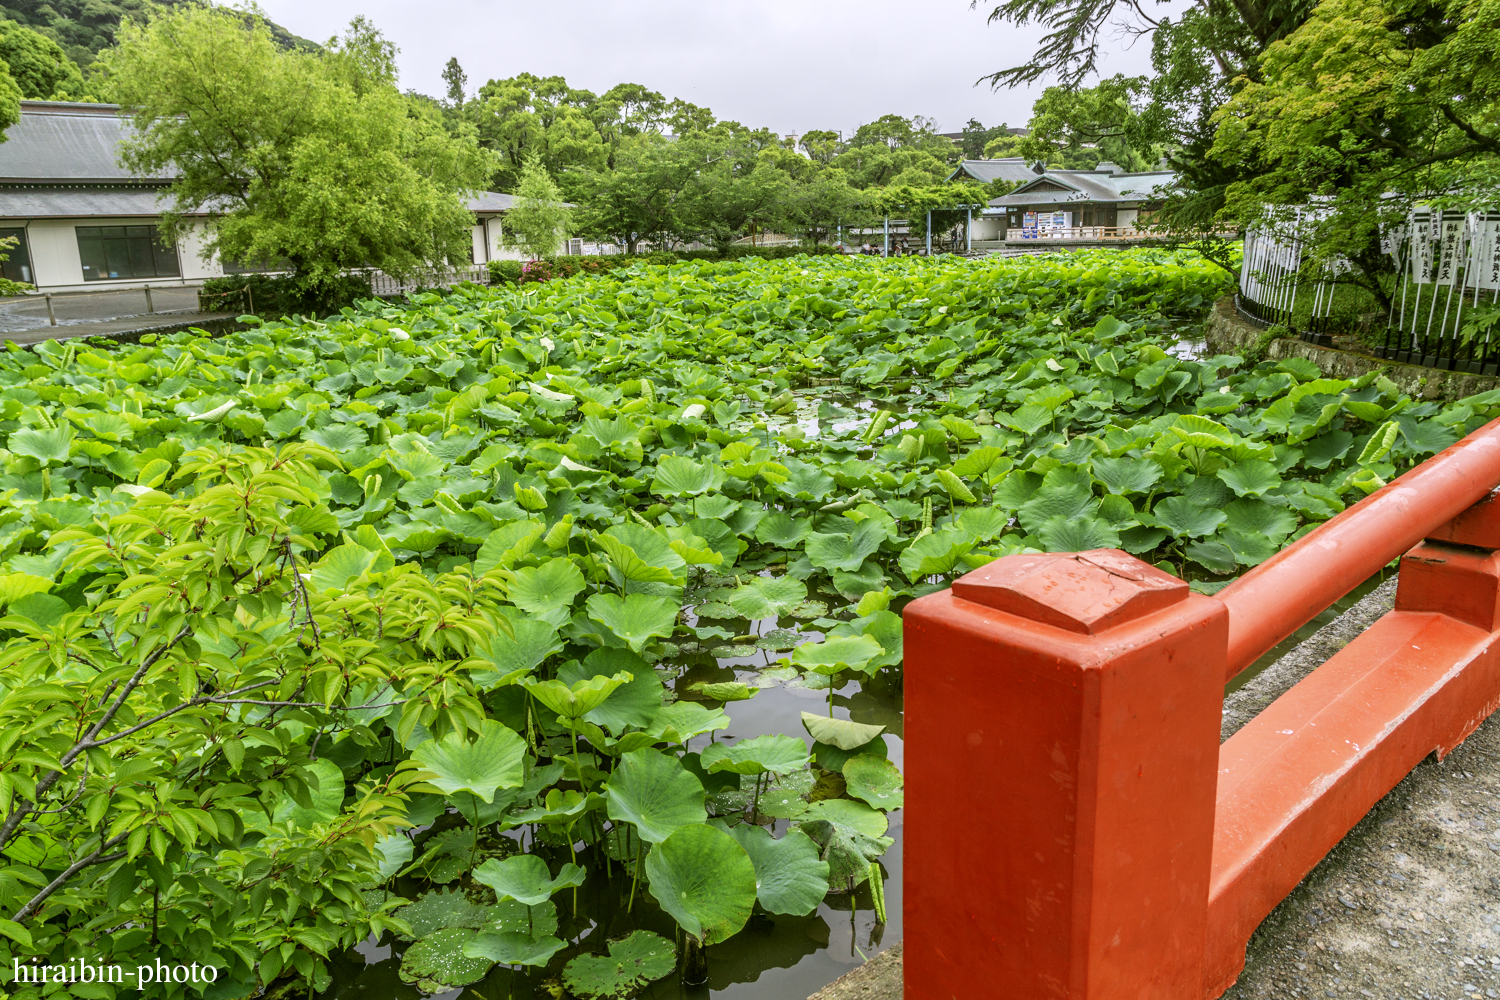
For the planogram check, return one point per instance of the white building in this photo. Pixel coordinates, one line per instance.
(1105, 200)
(83, 222)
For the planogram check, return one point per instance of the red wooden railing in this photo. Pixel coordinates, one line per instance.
(1075, 828)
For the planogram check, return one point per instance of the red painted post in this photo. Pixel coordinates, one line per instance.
(1062, 736)
(1304, 771)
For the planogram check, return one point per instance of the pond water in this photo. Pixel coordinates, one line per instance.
(774, 958)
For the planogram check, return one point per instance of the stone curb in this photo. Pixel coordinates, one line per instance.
(1228, 333)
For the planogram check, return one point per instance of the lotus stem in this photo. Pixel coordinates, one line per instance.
(635, 875)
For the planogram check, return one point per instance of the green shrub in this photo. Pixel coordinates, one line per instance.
(505, 272)
(276, 295)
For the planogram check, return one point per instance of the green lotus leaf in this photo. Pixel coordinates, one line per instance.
(524, 878)
(646, 544)
(343, 563)
(1212, 554)
(835, 655)
(783, 530)
(553, 584)
(512, 948)
(1249, 549)
(506, 544)
(50, 447)
(654, 792)
(841, 733)
(1325, 449)
(1186, 519)
(1126, 475)
(726, 690)
(1201, 432)
(493, 761)
(770, 753)
(1067, 502)
(875, 780)
(1250, 478)
(573, 701)
(511, 656)
(677, 476)
(1256, 517)
(790, 878)
(634, 618)
(846, 552)
(632, 962)
(705, 880)
(634, 703)
(767, 597)
(848, 813)
(984, 523)
(561, 806)
(682, 720)
(1079, 534)
(438, 962)
(938, 552)
(443, 908)
(325, 797)
(14, 586)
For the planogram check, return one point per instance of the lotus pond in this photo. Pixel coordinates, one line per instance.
(548, 642)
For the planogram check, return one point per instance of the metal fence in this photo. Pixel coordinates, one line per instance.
(387, 286)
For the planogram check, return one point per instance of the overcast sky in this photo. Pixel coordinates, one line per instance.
(788, 65)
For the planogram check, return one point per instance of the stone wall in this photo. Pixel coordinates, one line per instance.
(1228, 333)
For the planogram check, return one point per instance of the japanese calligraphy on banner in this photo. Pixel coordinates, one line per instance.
(1421, 251)
(1484, 255)
(1452, 245)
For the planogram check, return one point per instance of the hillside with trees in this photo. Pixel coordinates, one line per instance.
(83, 28)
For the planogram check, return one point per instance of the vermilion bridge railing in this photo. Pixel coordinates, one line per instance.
(1075, 828)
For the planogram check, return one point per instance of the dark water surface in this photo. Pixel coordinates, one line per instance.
(774, 958)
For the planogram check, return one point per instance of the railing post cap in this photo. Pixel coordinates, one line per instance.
(1083, 592)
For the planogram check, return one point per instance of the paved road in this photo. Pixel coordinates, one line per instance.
(30, 312)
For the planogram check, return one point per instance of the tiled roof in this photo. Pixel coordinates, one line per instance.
(1010, 168)
(1087, 185)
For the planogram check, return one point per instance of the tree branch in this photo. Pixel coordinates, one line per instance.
(97, 858)
(8, 828)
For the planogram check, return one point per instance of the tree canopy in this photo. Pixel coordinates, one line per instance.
(314, 158)
(83, 28)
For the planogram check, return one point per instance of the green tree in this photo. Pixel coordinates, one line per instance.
(1368, 108)
(539, 220)
(38, 65)
(83, 28)
(526, 116)
(456, 81)
(312, 158)
(1079, 127)
(1197, 58)
(640, 198)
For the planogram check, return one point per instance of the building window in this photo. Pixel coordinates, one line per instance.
(17, 266)
(124, 252)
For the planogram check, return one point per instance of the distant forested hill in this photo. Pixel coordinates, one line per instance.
(83, 27)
